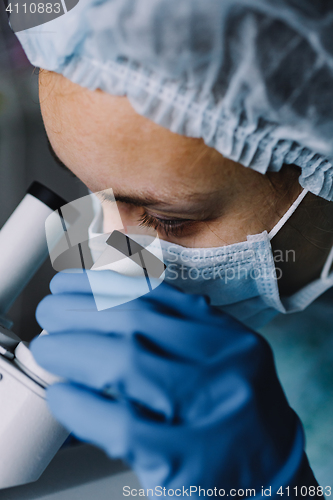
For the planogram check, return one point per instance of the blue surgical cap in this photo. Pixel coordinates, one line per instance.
(253, 78)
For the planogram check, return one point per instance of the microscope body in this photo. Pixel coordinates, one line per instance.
(29, 435)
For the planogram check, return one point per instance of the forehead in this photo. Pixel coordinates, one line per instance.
(107, 144)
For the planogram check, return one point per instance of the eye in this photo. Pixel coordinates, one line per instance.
(173, 227)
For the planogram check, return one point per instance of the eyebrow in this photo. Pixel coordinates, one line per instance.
(137, 201)
(134, 200)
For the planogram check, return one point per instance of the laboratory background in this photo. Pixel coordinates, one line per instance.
(302, 342)
(25, 157)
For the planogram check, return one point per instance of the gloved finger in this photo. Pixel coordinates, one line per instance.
(175, 336)
(109, 283)
(71, 280)
(103, 363)
(115, 289)
(165, 333)
(91, 417)
(121, 432)
(55, 313)
(66, 312)
(99, 282)
(84, 358)
(163, 297)
(169, 298)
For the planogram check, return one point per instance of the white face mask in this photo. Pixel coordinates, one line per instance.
(240, 279)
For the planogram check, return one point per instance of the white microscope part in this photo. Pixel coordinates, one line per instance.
(29, 435)
(23, 246)
(26, 362)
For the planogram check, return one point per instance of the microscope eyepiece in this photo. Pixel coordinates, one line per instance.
(46, 196)
(23, 246)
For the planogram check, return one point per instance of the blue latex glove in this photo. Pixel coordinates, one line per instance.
(198, 399)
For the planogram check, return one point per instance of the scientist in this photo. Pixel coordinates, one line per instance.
(209, 121)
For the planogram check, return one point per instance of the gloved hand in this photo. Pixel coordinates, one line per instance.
(198, 399)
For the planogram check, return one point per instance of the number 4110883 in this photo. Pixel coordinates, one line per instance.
(305, 491)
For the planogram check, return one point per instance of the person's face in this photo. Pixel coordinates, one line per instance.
(191, 194)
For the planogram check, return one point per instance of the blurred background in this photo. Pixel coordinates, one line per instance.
(24, 157)
(302, 343)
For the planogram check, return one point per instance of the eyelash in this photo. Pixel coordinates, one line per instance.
(168, 227)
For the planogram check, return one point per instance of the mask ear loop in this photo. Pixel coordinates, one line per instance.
(329, 261)
(288, 214)
(327, 266)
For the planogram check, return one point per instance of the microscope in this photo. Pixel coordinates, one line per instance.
(45, 225)
(29, 435)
